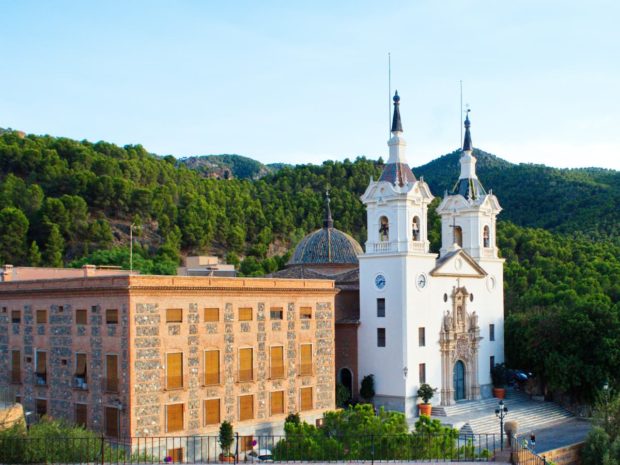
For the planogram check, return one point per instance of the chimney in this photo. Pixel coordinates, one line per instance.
(7, 273)
(89, 270)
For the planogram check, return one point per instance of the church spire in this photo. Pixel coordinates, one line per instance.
(397, 125)
(467, 146)
(328, 222)
(468, 184)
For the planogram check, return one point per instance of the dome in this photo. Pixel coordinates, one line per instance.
(326, 245)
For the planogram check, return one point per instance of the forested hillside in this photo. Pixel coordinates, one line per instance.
(69, 202)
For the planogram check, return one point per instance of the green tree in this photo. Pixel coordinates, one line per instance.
(54, 247)
(34, 254)
(13, 229)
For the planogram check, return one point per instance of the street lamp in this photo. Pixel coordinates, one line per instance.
(606, 400)
(501, 412)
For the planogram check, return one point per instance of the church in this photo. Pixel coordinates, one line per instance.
(404, 314)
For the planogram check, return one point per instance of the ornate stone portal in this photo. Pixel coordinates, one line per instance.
(459, 341)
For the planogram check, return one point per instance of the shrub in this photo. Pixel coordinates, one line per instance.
(367, 389)
(426, 392)
(226, 437)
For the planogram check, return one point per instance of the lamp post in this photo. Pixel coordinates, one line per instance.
(501, 412)
(606, 401)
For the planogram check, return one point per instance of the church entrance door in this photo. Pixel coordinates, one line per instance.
(346, 378)
(459, 380)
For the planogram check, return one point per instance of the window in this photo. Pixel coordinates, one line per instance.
(16, 367)
(41, 317)
(277, 402)
(306, 360)
(421, 337)
(305, 313)
(422, 372)
(246, 407)
(212, 411)
(277, 362)
(81, 415)
(212, 314)
(16, 316)
(306, 398)
(458, 236)
(276, 313)
(81, 317)
(174, 370)
(245, 314)
(111, 373)
(380, 337)
(491, 363)
(491, 332)
(174, 418)
(41, 368)
(80, 371)
(41, 407)
(246, 364)
(112, 422)
(111, 316)
(212, 367)
(384, 229)
(381, 308)
(174, 315)
(415, 229)
(486, 237)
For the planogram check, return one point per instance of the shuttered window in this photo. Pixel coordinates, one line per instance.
(381, 308)
(111, 316)
(277, 362)
(306, 360)
(16, 366)
(16, 316)
(277, 402)
(276, 313)
(174, 371)
(174, 418)
(245, 314)
(246, 407)
(80, 365)
(41, 363)
(212, 367)
(41, 317)
(212, 411)
(305, 313)
(174, 315)
(212, 314)
(81, 317)
(246, 365)
(111, 422)
(306, 398)
(422, 373)
(111, 372)
(81, 415)
(380, 337)
(422, 337)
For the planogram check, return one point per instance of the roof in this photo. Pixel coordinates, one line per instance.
(470, 188)
(326, 245)
(397, 173)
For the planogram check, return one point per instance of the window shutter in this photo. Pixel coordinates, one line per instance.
(245, 314)
(245, 365)
(212, 314)
(174, 371)
(212, 411)
(306, 360)
(174, 417)
(111, 316)
(41, 317)
(277, 362)
(111, 422)
(277, 402)
(212, 367)
(16, 366)
(305, 313)
(80, 365)
(111, 373)
(174, 315)
(246, 407)
(306, 398)
(81, 415)
(41, 363)
(80, 317)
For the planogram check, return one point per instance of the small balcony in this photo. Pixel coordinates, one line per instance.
(80, 383)
(40, 379)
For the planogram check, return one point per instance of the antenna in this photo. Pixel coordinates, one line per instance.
(461, 115)
(389, 94)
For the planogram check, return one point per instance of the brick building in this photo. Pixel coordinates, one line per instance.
(167, 355)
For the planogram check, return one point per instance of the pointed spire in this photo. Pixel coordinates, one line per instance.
(328, 222)
(397, 126)
(467, 145)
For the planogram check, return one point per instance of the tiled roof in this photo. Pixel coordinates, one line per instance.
(397, 173)
(470, 188)
(326, 245)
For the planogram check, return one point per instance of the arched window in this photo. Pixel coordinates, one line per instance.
(384, 229)
(486, 237)
(458, 236)
(346, 379)
(415, 228)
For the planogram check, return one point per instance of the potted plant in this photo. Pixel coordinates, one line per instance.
(226, 440)
(498, 376)
(426, 393)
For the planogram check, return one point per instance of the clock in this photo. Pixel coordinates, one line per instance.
(421, 281)
(380, 281)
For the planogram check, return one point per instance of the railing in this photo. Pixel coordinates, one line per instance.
(80, 383)
(206, 449)
(523, 454)
(7, 395)
(40, 379)
(383, 246)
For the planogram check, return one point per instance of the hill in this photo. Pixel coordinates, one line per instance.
(227, 166)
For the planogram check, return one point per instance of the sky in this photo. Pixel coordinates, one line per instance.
(305, 82)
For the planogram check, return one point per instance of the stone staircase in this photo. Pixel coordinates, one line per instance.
(478, 417)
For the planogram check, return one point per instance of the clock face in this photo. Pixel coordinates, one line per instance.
(421, 281)
(380, 281)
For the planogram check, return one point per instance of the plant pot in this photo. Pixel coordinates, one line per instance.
(500, 393)
(227, 458)
(425, 409)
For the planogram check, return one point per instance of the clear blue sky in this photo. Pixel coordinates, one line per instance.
(302, 82)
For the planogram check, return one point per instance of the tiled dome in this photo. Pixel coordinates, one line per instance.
(326, 245)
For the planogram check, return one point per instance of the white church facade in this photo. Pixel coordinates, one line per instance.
(424, 317)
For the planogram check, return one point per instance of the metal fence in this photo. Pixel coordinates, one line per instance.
(524, 454)
(247, 449)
